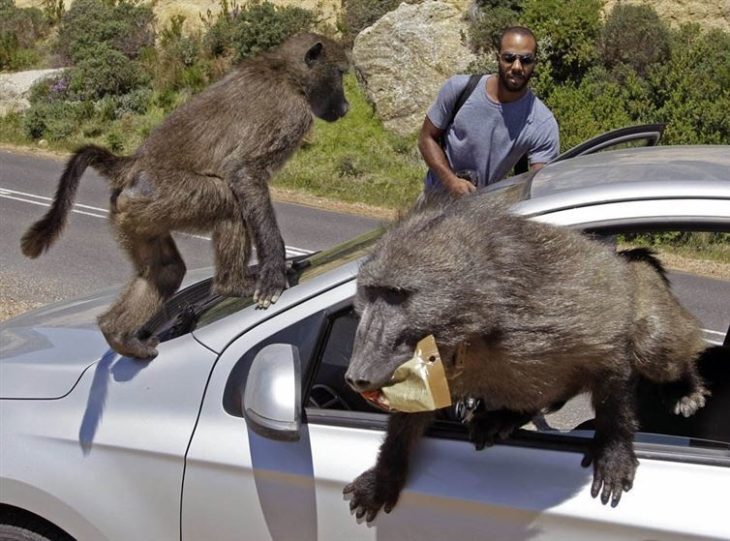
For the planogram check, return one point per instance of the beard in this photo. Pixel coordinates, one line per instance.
(513, 83)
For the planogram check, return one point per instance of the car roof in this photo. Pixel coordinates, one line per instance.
(669, 172)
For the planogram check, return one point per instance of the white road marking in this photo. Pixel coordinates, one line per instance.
(44, 201)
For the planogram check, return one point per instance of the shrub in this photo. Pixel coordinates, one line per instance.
(20, 29)
(105, 72)
(567, 32)
(692, 89)
(488, 22)
(177, 63)
(254, 27)
(123, 25)
(635, 36)
(359, 14)
(53, 121)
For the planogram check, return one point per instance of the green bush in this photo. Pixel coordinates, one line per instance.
(635, 36)
(692, 89)
(20, 30)
(567, 32)
(254, 27)
(177, 63)
(54, 121)
(492, 17)
(105, 72)
(122, 25)
(359, 14)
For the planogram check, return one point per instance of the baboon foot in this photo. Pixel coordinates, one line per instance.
(269, 286)
(689, 404)
(488, 427)
(131, 346)
(614, 467)
(371, 492)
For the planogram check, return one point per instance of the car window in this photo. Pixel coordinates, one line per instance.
(707, 428)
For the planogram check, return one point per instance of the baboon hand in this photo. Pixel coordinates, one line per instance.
(488, 427)
(369, 494)
(269, 286)
(614, 467)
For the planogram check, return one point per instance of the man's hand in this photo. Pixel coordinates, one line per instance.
(458, 187)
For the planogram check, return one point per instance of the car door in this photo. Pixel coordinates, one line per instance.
(631, 136)
(242, 485)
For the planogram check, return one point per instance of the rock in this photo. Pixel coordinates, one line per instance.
(405, 57)
(14, 88)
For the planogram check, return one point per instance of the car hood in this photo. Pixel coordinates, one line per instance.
(44, 352)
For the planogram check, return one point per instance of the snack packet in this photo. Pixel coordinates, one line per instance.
(419, 384)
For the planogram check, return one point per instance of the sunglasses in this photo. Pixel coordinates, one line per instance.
(525, 59)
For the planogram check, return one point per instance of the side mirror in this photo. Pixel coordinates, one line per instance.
(272, 398)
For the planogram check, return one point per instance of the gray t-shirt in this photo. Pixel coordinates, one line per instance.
(488, 138)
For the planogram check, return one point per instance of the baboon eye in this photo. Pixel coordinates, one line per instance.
(394, 296)
(391, 295)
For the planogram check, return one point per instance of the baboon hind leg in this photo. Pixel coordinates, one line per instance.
(159, 272)
(232, 248)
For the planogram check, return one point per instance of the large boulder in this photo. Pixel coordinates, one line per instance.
(405, 57)
(14, 88)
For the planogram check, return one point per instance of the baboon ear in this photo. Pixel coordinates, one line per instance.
(313, 54)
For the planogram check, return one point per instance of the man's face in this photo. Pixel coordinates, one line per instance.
(516, 59)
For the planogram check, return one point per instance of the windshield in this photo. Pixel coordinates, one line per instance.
(301, 270)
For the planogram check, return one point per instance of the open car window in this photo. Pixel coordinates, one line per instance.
(706, 429)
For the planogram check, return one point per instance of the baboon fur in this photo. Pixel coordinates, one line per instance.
(545, 313)
(206, 168)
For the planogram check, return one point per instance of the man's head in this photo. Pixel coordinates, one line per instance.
(516, 57)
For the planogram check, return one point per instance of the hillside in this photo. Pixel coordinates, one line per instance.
(708, 13)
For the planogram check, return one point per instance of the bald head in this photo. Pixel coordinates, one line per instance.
(517, 35)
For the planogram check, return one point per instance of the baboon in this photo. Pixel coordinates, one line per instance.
(526, 316)
(206, 168)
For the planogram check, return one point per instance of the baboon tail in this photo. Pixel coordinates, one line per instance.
(39, 237)
(646, 255)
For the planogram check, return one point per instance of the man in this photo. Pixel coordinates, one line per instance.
(500, 121)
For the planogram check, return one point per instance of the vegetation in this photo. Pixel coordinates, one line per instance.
(21, 35)
(125, 74)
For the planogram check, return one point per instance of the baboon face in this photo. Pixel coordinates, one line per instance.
(326, 64)
(396, 311)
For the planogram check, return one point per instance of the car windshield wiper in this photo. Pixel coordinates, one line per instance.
(182, 312)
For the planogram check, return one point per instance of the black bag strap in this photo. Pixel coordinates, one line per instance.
(468, 89)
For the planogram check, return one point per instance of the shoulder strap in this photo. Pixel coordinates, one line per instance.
(468, 89)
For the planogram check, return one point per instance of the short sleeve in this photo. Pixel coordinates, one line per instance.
(440, 112)
(546, 146)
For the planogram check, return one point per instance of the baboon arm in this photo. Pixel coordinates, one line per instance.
(381, 485)
(612, 450)
(257, 212)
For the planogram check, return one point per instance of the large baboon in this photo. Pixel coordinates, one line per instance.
(526, 316)
(206, 168)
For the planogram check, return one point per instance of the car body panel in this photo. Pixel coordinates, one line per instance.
(44, 351)
(112, 451)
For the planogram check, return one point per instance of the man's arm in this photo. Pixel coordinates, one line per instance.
(429, 143)
(537, 166)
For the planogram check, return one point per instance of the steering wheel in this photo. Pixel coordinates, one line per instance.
(325, 397)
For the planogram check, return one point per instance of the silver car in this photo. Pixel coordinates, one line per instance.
(243, 427)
